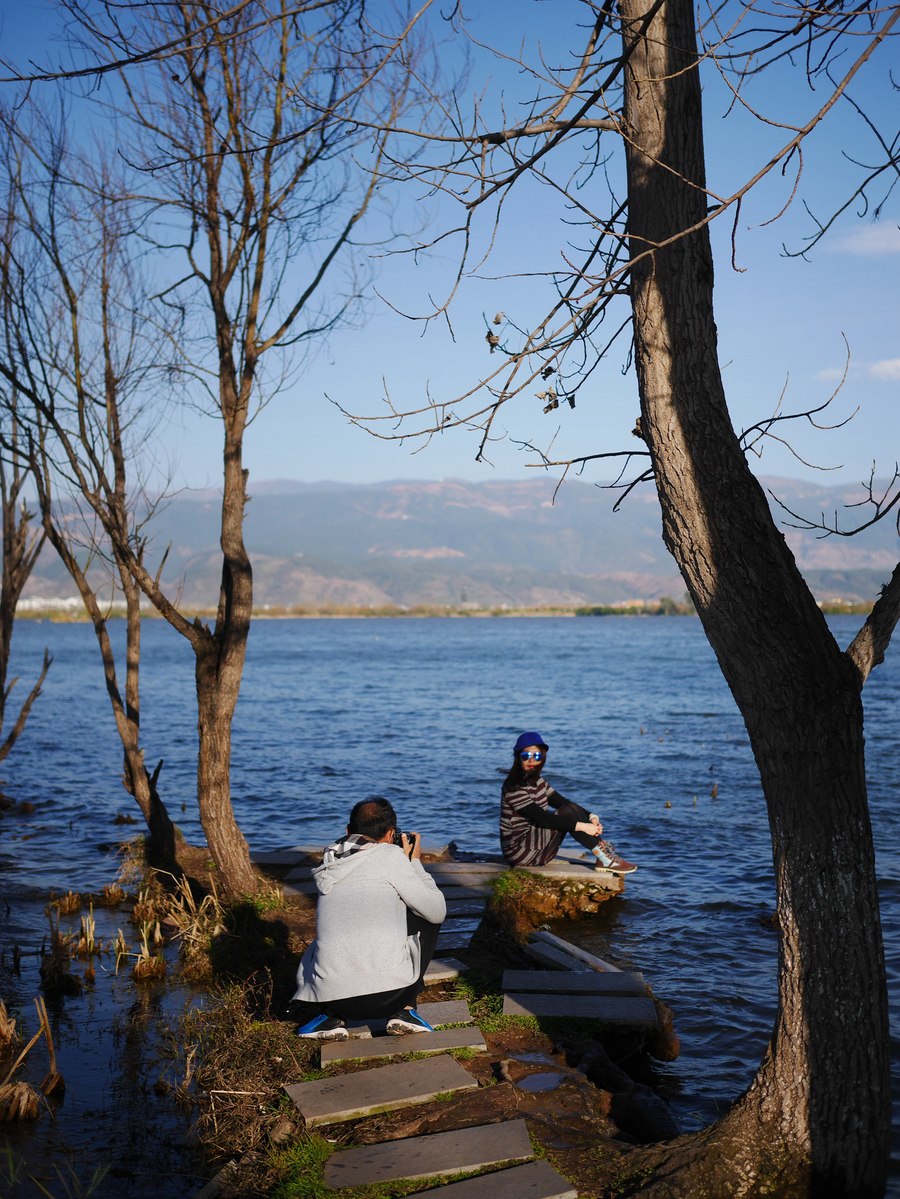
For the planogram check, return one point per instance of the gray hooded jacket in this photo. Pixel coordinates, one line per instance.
(362, 946)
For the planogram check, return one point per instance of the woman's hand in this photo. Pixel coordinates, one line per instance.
(593, 827)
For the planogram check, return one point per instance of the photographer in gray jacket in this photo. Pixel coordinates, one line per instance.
(377, 924)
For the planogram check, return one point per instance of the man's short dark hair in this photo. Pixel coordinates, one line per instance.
(372, 817)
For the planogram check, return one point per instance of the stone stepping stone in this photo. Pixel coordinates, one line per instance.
(452, 891)
(623, 1010)
(453, 871)
(556, 959)
(575, 951)
(535, 1180)
(439, 1041)
(307, 887)
(471, 880)
(445, 1011)
(277, 857)
(383, 1089)
(437, 1013)
(465, 907)
(455, 1152)
(456, 934)
(572, 982)
(442, 970)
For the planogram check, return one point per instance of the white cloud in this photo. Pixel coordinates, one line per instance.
(869, 242)
(831, 374)
(888, 368)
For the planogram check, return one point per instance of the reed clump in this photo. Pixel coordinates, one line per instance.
(18, 1101)
(8, 1034)
(112, 895)
(56, 964)
(196, 922)
(149, 965)
(66, 904)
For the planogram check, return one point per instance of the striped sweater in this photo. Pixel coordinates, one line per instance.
(530, 832)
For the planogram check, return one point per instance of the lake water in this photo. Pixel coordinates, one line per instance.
(641, 728)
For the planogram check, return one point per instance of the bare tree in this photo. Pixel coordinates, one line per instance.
(252, 166)
(815, 1120)
(77, 354)
(21, 546)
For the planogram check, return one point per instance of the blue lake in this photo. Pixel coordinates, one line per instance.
(642, 729)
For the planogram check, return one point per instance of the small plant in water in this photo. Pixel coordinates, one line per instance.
(120, 946)
(148, 965)
(64, 904)
(7, 1028)
(55, 968)
(113, 895)
(86, 946)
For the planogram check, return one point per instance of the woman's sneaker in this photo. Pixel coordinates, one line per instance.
(324, 1028)
(406, 1021)
(619, 866)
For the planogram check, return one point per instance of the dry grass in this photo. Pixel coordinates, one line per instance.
(8, 1034)
(66, 904)
(113, 894)
(55, 967)
(197, 922)
(18, 1101)
(149, 965)
(233, 1070)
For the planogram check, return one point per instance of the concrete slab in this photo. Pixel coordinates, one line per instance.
(445, 1011)
(534, 1180)
(438, 1013)
(629, 1011)
(442, 970)
(465, 907)
(555, 958)
(277, 857)
(302, 888)
(589, 959)
(439, 1041)
(572, 982)
(455, 1152)
(383, 1089)
(454, 870)
(451, 891)
(470, 878)
(448, 941)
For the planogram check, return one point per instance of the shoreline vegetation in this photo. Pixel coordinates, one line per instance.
(231, 1056)
(66, 612)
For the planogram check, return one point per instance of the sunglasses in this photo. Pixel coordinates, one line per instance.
(531, 755)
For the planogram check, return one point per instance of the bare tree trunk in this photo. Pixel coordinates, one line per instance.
(816, 1118)
(219, 668)
(136, 780)
(20, 551)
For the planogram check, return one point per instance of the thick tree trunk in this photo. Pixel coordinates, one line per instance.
(816, 1118)
(216, 699)
(219, 669)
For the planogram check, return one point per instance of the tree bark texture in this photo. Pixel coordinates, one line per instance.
(817, 1115)
(219, 668)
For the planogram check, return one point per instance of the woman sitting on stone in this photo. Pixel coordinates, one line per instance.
(534, 818)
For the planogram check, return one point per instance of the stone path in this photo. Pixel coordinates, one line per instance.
(576, 985)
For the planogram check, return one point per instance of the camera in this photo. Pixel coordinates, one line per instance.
(398, 838)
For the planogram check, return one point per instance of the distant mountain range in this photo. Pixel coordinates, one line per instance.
(452, 543)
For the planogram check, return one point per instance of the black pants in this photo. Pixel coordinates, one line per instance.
(588, 840)
(381, 1004)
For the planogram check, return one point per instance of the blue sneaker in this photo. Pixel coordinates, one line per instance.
(324, 1028)
(406, 1021)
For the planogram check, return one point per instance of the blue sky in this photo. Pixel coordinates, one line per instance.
(782, 322)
